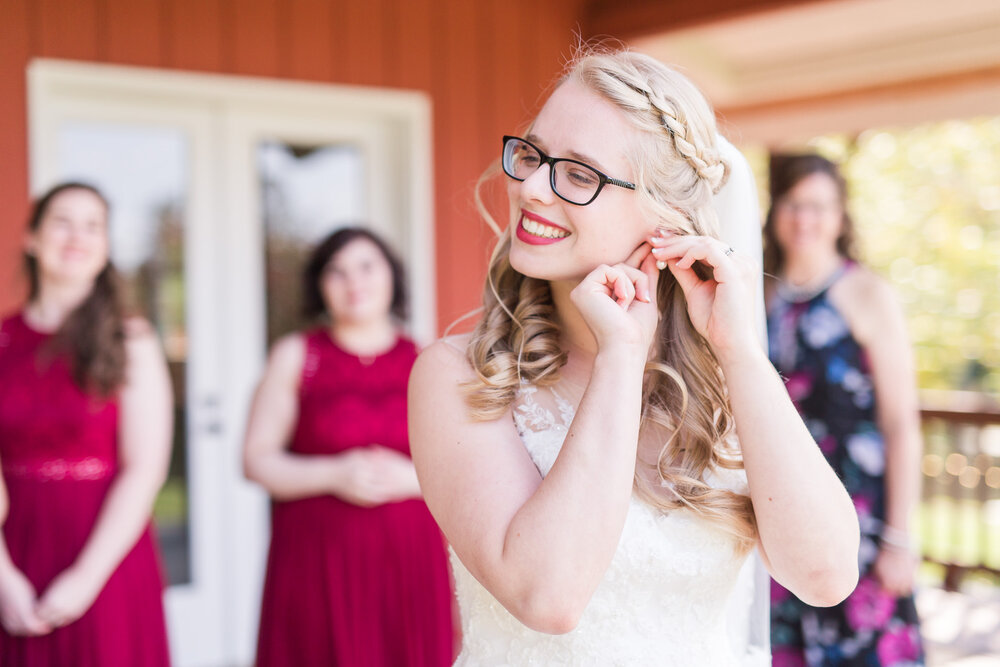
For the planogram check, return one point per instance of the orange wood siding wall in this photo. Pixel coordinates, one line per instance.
(483, 62)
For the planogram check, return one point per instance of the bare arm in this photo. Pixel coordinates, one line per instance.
(808, 528)
(365, 477)
(879, 325)
(144, 438)
(540, 546)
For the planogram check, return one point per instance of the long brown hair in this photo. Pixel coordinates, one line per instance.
(94, 333)
(786, 170)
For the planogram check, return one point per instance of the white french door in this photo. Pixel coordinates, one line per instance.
(218, 186)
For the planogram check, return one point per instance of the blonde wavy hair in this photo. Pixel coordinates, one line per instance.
(677, 169)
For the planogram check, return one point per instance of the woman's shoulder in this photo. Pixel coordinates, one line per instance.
(861, 281)
(288, 353)
(137, 327)
(444, 360)
(447, 349)
(867, 301)
(863, 292)
(141, 339)
(457, 342)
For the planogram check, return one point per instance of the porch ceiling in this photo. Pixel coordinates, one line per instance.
(857, 55)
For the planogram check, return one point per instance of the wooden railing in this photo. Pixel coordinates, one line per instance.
(959, 516)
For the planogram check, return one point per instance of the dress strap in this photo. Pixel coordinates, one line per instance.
(790, 294)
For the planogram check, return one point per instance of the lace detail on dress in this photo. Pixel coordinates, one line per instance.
(311, 362)
(56, 470)
(662, 600)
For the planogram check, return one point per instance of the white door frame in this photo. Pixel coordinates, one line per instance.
(212, 621)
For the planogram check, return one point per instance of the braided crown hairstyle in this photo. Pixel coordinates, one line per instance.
(677, 168)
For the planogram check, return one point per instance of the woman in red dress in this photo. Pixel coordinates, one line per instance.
(357, 572)
(85, 431)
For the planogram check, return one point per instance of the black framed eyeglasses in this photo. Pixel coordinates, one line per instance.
(571, 180)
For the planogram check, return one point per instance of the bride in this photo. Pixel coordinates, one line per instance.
(610, 443)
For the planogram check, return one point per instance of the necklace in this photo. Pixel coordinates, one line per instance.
(807, 292)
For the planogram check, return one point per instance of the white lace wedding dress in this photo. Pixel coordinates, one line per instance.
(663, 600)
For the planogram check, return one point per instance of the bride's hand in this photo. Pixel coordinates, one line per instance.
(619, 302)
(719, 307)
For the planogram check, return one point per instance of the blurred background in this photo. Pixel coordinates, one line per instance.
(232, 134)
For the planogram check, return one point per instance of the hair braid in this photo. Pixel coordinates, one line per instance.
(708, 164)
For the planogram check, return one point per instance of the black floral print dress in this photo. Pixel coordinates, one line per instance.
(828, 378)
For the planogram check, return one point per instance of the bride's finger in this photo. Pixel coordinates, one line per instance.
(639, 255)
(702, 249)
(612, 281)
(686, 278)
(623, 289)
(640, 280)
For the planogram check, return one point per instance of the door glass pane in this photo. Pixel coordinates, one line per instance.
(308, 192)
(142, 171)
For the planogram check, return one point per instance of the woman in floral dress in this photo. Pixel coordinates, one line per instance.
(837, 334)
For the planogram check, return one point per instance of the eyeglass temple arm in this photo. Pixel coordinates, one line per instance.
(621, 184)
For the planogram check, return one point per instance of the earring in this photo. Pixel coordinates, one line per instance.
(660, 264)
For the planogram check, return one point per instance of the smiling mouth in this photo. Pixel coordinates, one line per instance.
(542, 230)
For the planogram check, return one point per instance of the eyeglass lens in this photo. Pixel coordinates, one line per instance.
(571, 180)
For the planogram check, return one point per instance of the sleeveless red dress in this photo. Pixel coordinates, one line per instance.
(58, 449)
(348, 585)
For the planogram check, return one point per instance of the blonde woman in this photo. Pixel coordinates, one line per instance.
(606, 447)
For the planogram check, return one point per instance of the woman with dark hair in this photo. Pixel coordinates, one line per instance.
(356, 573)
(85, 432)
(837, 333)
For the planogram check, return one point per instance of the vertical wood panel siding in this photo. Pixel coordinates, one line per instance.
(483, 63)
(307, 25)
(195, 35)
(15, 45)
(254, 46)
(67, 28)
(134, 32)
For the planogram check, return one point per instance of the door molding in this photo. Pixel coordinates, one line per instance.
(52, 81)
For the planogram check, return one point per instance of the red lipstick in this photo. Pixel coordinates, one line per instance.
(532, 239)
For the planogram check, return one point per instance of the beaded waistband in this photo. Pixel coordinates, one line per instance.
(90, 468)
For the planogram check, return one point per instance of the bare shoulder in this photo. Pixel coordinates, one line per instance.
(287, 357)
(863, 285)
(290, 349)
(142, 345)
(868, 302)
(442, 362)
(138, 327)
(146, 364)
(864, 292)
